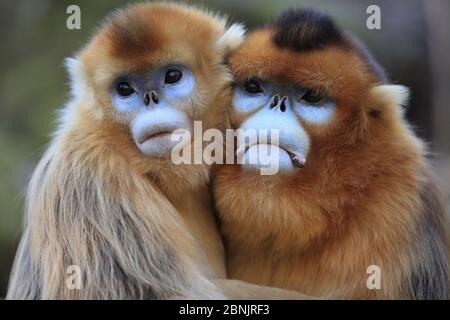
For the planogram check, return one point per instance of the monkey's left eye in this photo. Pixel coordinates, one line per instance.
(253, 87)
(124, 89)
(173, 76)
(312, 98)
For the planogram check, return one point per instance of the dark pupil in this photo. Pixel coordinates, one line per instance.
(124, 89)
(253, 86)
(173, 76)
(312, 97)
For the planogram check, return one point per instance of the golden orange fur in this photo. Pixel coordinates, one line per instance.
(365, 197)
(137, 227)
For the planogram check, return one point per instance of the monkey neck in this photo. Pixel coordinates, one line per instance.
(198, 214)
(196, 210)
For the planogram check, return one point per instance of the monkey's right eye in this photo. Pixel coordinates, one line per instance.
(253, 87)
(172, 76)
(124, 89)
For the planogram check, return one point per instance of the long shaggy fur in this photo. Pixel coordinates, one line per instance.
(137, 227)
(365, 197)
(88, 209)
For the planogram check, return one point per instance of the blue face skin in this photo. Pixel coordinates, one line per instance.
(310, 107)
(156, 103)
(285, 108)
(170, 85)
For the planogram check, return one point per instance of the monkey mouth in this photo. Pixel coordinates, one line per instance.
(153, 130)
(152, 135)
(298, 159)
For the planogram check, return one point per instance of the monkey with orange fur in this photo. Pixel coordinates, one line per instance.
(354, 187)
(105, 196)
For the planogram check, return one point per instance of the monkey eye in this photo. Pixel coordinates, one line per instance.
(124, 89)
(312, 97)
(253, 87)
(173, 76)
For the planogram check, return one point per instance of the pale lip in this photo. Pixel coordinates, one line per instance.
(155, 141)
(152, 130)
(153, 135)
(298, 159)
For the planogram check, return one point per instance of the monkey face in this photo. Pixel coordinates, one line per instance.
(307, 79)
(282, 107)
(285, 107)
(155, 68)
(158, 100)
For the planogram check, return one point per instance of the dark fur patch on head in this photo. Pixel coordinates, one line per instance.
(299, 30)
(130, 34)
(303, 30)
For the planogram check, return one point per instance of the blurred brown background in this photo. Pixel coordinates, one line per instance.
(413, 45)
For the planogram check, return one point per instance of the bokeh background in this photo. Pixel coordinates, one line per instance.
(413, 45)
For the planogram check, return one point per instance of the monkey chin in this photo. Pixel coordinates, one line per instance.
(280, 159)
(158, 145)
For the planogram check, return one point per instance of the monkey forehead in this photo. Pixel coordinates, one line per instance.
(334, 70)
(145, 35)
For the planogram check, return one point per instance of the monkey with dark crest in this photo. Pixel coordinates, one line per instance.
(354, 188)
(106, 197)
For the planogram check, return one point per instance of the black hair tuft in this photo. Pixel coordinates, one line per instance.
(300, 29)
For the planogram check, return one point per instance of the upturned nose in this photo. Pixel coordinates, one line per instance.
(151, 96)
(275, 101)
(283, 104)
(280, 103)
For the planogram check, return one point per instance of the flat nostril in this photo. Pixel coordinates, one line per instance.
(155, 97)
(146, 98)
(275, 101)
(283, 104)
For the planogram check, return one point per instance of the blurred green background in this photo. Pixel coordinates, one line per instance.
(413, 45)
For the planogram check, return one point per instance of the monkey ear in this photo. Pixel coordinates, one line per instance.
(394, 93)
(231, 39)
(390, 96)
(77, 77)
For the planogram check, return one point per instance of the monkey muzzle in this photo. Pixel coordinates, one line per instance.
(273, 136)
(152, 129)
